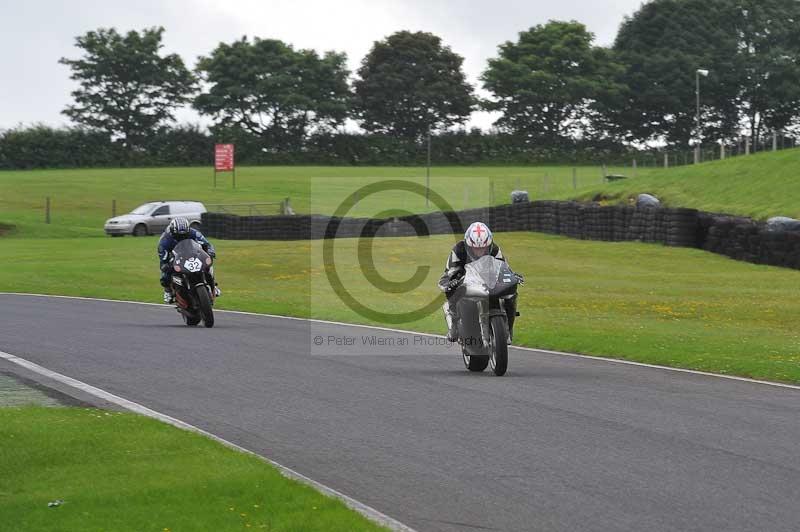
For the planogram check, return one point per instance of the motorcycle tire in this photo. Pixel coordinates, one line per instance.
(499, 356)
(191, 322)
(204, 302)
(473, 362)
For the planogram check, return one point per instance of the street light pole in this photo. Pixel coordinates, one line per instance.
(428, 171)
(699, 140)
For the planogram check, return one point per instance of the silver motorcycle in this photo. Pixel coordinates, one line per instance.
(482, 319)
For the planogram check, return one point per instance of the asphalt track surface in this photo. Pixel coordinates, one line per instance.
(558, 444)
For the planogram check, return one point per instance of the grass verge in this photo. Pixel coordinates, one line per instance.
(123, 472)
(759, 186)
(81, 200)
(670, 306)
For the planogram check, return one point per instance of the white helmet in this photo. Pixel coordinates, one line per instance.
(478, 239)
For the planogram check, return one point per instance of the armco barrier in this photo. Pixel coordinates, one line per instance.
(736, 237)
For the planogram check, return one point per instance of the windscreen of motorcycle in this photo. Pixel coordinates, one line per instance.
(484, 272)
(190, 257)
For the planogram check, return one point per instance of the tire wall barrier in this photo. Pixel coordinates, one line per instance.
(736, 237)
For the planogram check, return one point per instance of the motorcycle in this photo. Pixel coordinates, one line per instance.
(482, 320)
(193, 283)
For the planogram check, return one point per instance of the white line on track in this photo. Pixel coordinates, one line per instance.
(403, 331)
(367, 511)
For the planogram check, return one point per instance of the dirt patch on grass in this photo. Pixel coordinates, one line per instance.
(5, 229)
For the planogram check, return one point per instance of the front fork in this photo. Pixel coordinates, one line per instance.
(483, 317)
(485, 313)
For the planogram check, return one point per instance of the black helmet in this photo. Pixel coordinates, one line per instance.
(179, 228)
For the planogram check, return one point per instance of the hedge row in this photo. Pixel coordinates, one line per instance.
(46, 147)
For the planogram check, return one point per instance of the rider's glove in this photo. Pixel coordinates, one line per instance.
(454, 283)
(520, 278)
(212, 253)
(165, 266)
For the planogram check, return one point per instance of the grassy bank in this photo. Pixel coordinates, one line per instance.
(81, 200)
(123, 472)
(671, 306)
(759, 185)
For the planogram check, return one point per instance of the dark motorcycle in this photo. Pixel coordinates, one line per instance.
(483, 323)
(193, 283)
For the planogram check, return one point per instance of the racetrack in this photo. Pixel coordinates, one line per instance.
(558, 444)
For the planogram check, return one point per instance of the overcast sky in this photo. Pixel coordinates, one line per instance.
(34, 34)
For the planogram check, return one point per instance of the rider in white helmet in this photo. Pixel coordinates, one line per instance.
(477, 242)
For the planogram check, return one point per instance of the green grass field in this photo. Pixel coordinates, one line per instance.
(81, 200)
(759, 185)
(649, 303)
(123, 472)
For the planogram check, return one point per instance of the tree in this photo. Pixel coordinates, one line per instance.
(751, 48)
(126, 88)
(768, 56)
(410, 83)
(550, 82)
(269, 89)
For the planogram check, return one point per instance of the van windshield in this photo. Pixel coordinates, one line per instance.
(144, 209)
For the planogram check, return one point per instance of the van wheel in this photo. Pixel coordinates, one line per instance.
(140, 230)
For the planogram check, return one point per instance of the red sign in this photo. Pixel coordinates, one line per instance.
(223, 157)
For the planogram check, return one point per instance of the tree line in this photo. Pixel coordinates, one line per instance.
(557, 93)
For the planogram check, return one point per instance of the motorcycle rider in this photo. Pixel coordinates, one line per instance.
(477, 243)
(177, 230)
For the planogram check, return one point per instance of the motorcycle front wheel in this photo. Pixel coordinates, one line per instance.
(499, 348)
(204, 302)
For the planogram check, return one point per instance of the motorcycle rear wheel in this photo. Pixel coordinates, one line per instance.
(191, 321)
(474, 362)
(499, 347)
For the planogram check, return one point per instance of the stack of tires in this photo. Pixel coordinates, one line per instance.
(544, 216)
(681, 227)
(637, 225)
(621, 219)
(519, 216)
(567, 219)
(719, 237)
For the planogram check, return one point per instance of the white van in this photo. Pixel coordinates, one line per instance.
(152, 218)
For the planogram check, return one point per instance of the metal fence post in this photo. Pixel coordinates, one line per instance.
(113, 208)
(47, 211)
(574, 178)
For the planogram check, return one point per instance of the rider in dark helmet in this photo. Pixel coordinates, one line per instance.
(478, 241)
(177, 230)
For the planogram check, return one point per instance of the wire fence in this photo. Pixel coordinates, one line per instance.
(252, 209)
(710, 152)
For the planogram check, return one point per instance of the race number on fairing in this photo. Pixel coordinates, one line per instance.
(193, 265)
